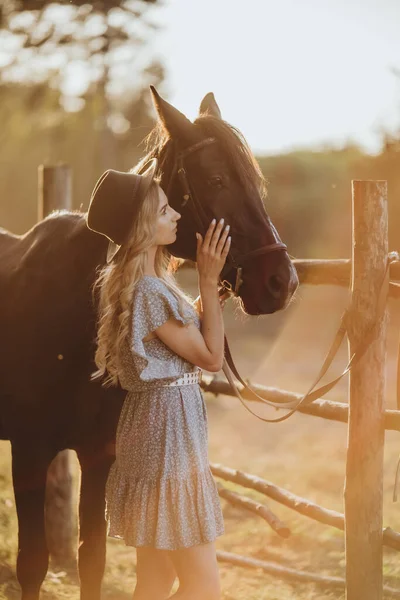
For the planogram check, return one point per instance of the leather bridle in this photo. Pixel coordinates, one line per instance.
(196, 207)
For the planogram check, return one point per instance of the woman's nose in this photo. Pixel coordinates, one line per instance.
(177, 216)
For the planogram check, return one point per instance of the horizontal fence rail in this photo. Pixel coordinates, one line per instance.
(337, 272)
(326, 409)
(256, 508)
(290, 574)
(305, 507)
(315, 271)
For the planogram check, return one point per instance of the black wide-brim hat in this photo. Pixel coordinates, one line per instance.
(115, 203)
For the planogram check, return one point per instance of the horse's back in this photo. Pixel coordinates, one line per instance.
(50, 237)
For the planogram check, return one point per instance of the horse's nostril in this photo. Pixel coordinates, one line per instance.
(275, 286)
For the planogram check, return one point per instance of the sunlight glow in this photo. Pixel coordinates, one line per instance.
(287, 73)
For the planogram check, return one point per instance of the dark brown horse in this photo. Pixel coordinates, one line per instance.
(47, 324)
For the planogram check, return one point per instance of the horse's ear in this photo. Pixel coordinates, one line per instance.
(174, 122)
(209, 106)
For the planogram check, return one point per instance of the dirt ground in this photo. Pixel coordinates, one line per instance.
(304, 454)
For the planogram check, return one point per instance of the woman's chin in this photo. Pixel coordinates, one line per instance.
(171, 240)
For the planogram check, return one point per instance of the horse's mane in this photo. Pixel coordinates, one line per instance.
(229, 138)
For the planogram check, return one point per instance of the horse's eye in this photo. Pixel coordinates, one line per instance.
(216, 182)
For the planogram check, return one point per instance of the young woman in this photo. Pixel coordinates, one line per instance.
(154, 341)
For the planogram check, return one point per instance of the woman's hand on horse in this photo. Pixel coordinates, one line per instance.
(213, 250)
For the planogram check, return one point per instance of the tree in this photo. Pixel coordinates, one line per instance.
(96, 50)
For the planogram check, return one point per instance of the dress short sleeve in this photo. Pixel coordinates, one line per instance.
(153, 305)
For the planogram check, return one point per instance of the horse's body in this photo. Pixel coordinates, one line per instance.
(46, 401)
(47, 324)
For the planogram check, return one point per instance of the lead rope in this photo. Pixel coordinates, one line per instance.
(313, 394)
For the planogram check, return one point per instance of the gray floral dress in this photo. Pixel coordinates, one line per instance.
(160, 491)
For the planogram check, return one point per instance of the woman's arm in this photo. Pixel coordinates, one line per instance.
(189, 343)
(203, 348)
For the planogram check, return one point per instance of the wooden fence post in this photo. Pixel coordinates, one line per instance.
(364, 468)
(55, 192)
(55, 189)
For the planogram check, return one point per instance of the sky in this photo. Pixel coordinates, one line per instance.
(288, 73)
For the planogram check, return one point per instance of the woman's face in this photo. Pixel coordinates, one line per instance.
(166, 222)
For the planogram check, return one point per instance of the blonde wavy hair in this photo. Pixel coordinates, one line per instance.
(116, 283)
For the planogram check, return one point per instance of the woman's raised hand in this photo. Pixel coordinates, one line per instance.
(213, 250)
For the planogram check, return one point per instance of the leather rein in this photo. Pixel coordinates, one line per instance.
(229, 366)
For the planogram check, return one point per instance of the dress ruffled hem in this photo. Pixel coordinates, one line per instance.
(165, 513)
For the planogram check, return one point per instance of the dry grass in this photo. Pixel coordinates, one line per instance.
(305, 455)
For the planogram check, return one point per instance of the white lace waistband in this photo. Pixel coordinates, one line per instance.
(190, 378)
(187, 379)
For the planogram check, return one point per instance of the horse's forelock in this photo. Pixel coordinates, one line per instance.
(232, 142)
(235, 146)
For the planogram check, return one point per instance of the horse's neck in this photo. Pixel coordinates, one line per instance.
(8, 242)
(64, 237)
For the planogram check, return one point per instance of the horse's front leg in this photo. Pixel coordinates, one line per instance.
(92, 538)
(29, 469)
